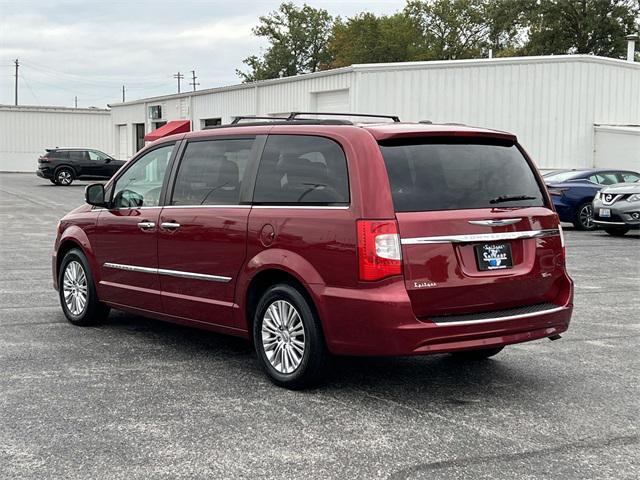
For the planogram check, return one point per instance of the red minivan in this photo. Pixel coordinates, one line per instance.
(314, 237)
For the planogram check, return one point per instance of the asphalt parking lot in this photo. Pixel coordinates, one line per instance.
(136, 398)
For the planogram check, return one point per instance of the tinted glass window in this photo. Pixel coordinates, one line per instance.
(141, 184)
(61, 154)
(608, 178)
(77, 155)
(562, 176)
(301, 169)
(629, 177)
(438, 176)
(595, 178)
(95, 156)
(211, 172)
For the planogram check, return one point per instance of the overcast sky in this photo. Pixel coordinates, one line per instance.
(91, 48)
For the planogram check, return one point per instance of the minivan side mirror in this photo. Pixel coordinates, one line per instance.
(107, 160)
(94, 195)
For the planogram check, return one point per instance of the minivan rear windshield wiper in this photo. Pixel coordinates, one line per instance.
(511, 198)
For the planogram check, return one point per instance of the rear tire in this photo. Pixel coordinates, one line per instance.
(64, 177)
(479, 354)
(77, 291)
(584, 218)
(617, 232)
(288, 338)
(52, 180)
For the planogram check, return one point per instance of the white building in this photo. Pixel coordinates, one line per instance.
(565, 109)
(28, 131)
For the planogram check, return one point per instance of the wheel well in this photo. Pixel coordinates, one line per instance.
(64, 247)
(261, 282)
(68, 167)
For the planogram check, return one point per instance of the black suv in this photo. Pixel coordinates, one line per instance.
(63, 165)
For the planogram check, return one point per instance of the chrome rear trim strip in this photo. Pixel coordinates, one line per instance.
(171, 273)
(496, 222)
(480, 237)
(501, 319)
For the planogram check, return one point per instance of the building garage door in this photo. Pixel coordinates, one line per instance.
(122, 142)
(617, 147)
(333, 101)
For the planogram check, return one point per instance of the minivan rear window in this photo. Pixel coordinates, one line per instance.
(453, 175)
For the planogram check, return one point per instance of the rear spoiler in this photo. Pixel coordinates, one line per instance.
(502, 137)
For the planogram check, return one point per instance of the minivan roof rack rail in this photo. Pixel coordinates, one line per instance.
(238, 118)
(294, 115)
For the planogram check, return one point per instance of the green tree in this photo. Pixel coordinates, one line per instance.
(455, 29)
(595, 27)
(297, 43)
(367, 38)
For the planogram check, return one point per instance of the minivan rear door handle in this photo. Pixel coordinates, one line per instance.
(146, 225)
(170, 225)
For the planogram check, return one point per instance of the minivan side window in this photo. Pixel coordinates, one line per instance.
(302, 170)
(141, 184)
(211, 172)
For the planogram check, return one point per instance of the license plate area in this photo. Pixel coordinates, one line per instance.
(493, 256)
(605, 212)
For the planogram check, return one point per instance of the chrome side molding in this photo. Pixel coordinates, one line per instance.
(480, 237)
(171, 273)
(495, 223)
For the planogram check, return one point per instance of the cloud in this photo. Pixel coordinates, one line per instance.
(90, 49)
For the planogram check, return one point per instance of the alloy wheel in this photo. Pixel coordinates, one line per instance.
(283, 336)
(586, 216)
(64, 177)
(74, 288)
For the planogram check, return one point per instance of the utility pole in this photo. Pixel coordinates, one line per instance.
(17, 65)
(122, 93)
(76, 101)
(179, 76)
(193, 82)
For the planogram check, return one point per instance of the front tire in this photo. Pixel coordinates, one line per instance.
(288, 338)
(584, 218)
(77, 291)
(480, 354)
(64, 177)
(617, 232)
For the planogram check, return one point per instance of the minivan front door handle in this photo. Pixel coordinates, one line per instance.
(170, 225)
(146, 225)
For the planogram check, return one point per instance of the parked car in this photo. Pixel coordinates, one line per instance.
(63, 165)
(318, 237)
(617, 208)
(573, 192)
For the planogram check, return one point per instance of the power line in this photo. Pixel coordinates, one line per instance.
(33, 94)
(57, 74)
(179, 76)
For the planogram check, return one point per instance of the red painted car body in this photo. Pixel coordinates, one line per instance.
(439, 302)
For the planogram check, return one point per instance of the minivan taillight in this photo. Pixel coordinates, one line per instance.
(379, 252)
(43, 160)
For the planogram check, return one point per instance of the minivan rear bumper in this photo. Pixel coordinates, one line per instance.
(380, 321)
